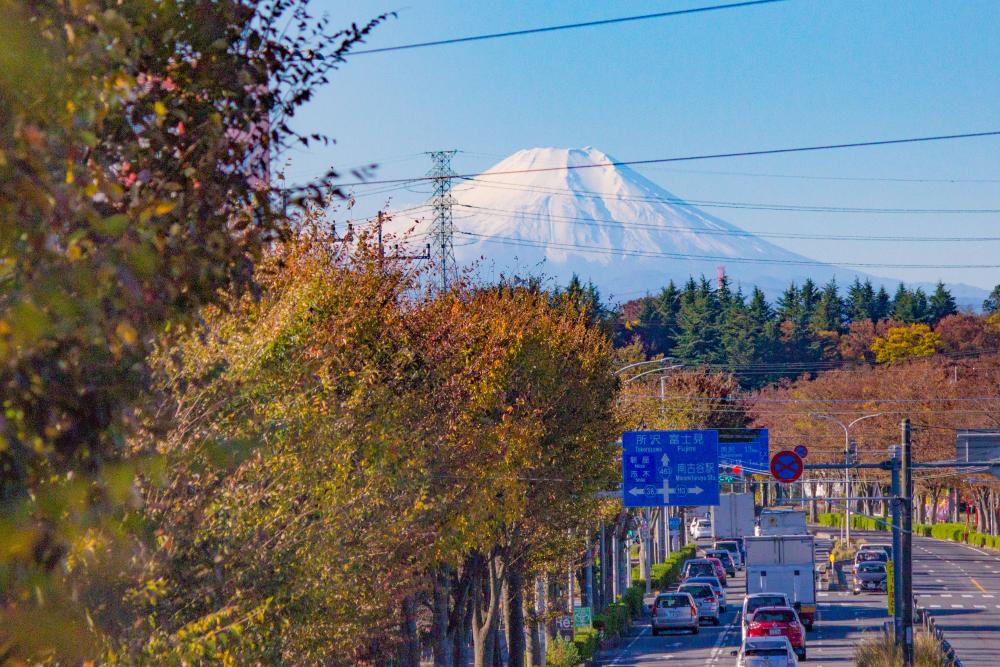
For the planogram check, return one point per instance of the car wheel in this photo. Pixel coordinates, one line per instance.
(695, 630)
(716, 621)
(802, 656)
(722, 609)
(655, 632)
(809, 627)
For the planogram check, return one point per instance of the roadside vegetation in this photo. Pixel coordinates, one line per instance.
(879, 650)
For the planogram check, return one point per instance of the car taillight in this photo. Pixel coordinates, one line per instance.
(694, 610)
(709, 599)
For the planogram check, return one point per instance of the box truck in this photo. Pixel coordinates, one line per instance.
(784, 564)
(781, 522)
(733, 517)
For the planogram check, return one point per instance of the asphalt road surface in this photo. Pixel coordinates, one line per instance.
(843, 618)
(960, 586)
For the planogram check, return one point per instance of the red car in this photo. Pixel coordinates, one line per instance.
(720, 569)
(777, 621)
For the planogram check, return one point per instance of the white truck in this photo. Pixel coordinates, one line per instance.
(733, 517)
(781, 522)
(784, 564)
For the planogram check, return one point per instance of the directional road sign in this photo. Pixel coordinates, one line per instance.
(670, 468)
(786, 466)
(675, 523)
(747, 448)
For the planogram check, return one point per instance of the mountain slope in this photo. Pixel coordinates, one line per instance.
(610, 225)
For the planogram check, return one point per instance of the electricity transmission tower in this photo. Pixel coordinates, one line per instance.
(443, 228)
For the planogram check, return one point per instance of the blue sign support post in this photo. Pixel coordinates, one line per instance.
(666, 468)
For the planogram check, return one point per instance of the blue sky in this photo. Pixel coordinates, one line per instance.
(799, 72)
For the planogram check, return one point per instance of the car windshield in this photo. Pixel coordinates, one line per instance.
(698, 590)
(711, 581)
(871, 567)
(766, 651)
(871, 555)
(672, 602)
(754, 604)
(728, 546)
(774, 616)
(700, 568)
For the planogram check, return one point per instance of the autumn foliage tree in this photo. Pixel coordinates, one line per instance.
(135, 139)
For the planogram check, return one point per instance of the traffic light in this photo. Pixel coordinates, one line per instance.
(737, 470)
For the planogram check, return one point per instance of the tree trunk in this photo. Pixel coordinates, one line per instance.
(440, 618)
(533, 645)
(460, 623)
(515, 616)
(410, 651)
(551, 604)
(487, 582)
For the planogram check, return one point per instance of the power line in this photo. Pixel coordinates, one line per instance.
(611, 223)
(564, 26)
(705, 156)
(708, 203)
(507, 240)
(816, 177)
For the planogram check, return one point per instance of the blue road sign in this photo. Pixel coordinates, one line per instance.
(786, 466)
(670, 468)
(675, 524)
(747, 448)
(801, 450)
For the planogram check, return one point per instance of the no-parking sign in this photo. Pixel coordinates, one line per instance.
(786, 466)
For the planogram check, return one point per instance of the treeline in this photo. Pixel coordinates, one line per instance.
(807, 326)
(938, 394)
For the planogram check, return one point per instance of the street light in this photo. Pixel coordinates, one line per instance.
(847, 471)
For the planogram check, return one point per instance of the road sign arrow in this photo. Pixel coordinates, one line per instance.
(637, 491)
(665, 460)
(695, 490)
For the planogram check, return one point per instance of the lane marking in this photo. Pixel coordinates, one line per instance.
(977, 585)
(629, 647)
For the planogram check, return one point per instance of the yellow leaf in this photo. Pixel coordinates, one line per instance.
(160, 108)
(126, 332)
(74, 252)
(164, 207)
(69, 172)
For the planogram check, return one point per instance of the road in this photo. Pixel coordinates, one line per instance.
(842, 620)
(960, 586)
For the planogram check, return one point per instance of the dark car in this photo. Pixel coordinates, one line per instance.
(870, 576)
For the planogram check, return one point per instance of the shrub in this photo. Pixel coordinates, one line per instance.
(614, 620)
(666, 575)
(633, 600)
(879, 650)
(948, 531)
(587, 641)
(562, 653)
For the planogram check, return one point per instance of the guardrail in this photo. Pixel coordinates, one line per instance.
(926, 620)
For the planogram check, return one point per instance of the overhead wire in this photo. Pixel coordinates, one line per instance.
(610, 223)
(563, 26)
(555, 245)
(707, 203)
(703, 156)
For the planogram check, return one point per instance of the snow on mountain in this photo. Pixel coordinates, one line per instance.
(610, 225)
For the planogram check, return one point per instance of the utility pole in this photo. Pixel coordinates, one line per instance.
(906, 542)
(443, 229)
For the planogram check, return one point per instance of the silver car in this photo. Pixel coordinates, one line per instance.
(766, 652)
(704, 597)
(713, 581)
(870, 576)
(674, 611)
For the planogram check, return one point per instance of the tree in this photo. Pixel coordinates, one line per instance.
(134, 190)
(992, 303)
(829, 311)
(941, 304)
(860, 303)
(899, 343)
(882, 307)
(698, 334)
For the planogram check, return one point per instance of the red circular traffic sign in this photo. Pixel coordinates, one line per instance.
(786, 466)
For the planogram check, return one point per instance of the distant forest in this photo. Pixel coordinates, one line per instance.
(808, 328)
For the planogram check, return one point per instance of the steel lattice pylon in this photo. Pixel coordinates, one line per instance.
(443, 229)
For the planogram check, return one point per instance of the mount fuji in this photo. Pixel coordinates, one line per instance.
(530, 216)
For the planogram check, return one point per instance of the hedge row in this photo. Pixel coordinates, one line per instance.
(954, 532)
(615, 619)
(666, 575)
